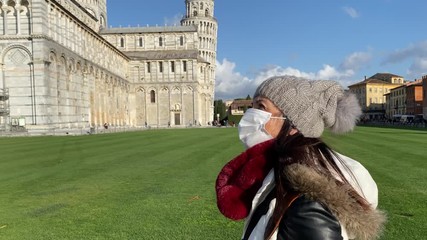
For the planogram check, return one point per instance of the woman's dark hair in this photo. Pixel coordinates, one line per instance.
(311, 152)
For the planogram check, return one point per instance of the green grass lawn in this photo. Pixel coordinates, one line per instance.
(159, 184)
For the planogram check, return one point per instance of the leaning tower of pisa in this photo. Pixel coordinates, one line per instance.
(201, 14)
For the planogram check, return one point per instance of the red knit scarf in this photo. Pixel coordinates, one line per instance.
(240, 179)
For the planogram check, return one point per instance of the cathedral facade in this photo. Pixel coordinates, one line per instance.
(63, 70)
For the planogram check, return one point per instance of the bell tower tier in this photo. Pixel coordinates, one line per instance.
(201, 14)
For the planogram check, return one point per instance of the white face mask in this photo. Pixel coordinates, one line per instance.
(252, 127)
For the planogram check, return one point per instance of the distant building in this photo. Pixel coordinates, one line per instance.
(425, 96)
(389, 77)
(387, 105)
(238, 107)
(372, 91)
(397, 101)
(406, 99)
(414, 97)
(228, 103)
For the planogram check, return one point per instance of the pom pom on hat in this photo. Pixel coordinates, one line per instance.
(312, 105)
(347, 113)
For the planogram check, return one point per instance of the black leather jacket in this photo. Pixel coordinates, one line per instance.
(308, 219)
(304, 219)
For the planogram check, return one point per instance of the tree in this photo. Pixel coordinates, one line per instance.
(219, 108)
(248, 97)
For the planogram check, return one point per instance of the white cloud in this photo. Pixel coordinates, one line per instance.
(175, 20)
(418, 68)
(231, 84)
(351, 12)
(413, 50)
(416, 54)
(356, 61)
(330, 72)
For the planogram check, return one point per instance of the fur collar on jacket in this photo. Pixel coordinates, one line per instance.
(363, 224)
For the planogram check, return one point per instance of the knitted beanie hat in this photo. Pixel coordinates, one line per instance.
(312, 105)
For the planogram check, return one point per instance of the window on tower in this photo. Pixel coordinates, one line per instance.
(207, 12)
(181, 41)
(160, 66)
(102, 21)
(122, 42)
(148, 67)
(140, 42)
(160, 41)
(152, 96)
(195, 13)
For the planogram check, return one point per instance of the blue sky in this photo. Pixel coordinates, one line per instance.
(342, 40)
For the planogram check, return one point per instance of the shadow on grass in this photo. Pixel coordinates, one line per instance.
(49, 209)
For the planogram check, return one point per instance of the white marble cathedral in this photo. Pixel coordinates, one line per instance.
(62, 69)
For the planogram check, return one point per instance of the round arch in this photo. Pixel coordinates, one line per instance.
(140, 89)
(52, 56)
(15, 46)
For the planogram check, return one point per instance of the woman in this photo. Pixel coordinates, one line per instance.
(288, 184)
